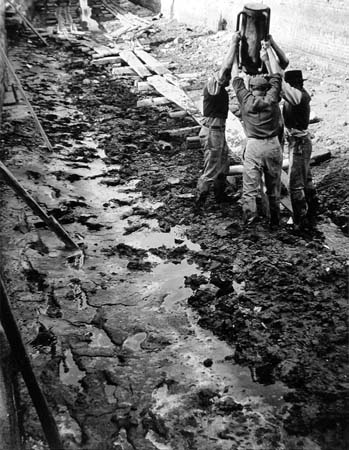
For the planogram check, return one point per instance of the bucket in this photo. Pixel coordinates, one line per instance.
(253, 23)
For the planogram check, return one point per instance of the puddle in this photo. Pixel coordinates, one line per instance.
(99, 338)
(202, 344)
(242, 382)
(134, 342)
(69, 373)
(152, 239)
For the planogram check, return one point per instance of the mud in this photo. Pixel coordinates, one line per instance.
(175, 330)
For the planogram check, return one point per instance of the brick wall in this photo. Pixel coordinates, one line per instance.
(317, 26)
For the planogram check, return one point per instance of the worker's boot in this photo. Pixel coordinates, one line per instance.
(274, 209)
(219, 190)
(300, 209)
(313, 208)
(200, 202)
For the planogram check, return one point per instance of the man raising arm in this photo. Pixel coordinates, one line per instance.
(212, 133)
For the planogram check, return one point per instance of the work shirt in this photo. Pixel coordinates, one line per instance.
(296, 109)
(260, 114)
(216, 99)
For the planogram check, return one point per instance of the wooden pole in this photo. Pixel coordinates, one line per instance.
(22, 91)
(26, 21)
(19, 352)
(50, 221)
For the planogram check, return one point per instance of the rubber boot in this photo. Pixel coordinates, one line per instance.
(300, 209)
(219, 190)
(313, 207)
(200, 202)
(274, 209)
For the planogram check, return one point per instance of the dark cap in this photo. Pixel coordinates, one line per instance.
(294, 76)
(259, 83)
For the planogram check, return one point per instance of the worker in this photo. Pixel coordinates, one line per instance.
(283, 63)
(212, 133)
(260, 113)
(296, 113)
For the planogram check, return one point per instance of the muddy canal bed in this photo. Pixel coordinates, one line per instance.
(174, 331)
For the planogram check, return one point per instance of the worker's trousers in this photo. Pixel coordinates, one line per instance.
(302, 190)
(216, 161)
(262, 156)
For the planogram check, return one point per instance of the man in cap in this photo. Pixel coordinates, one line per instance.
(296, 113)
(212, 134)
(260, 113)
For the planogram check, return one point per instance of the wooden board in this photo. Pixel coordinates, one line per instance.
(123, 71)
(151, 62)
(176, 95)
(102, 50)
(135, 63)
(153, 101)
(187, 131)
(107, 60)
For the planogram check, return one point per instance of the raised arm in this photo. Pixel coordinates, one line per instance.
(280, 54)
(269, 58)
(289, 93)
(228, 61)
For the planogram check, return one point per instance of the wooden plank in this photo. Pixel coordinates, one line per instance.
(102, 51)
(190, 76)
(193, 142)
(107, 60)
(143, 86)
(151, 62)
(135, 63)
(186, 131)
(177, 114)
(122, 71)
(123, 30)
(11, 96)
(176, 95)
(153, 101)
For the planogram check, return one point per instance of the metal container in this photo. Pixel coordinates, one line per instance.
(253, 23)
